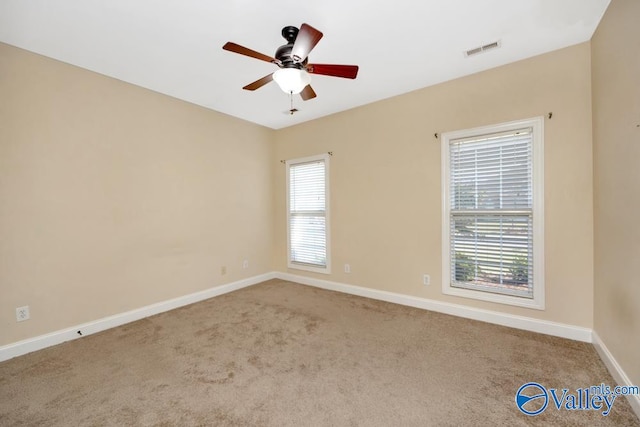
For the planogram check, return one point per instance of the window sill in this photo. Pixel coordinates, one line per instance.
(321, 270)
(537, 303)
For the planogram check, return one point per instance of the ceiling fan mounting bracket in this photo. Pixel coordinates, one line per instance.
(290, 33)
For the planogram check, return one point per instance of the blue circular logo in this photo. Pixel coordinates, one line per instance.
(532, 399)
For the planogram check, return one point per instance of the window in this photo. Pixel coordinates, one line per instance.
(307, 213)
(493, 213)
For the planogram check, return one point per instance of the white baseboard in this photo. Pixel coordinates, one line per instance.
(518, 322)
(37, 343)
(616, 371)
(550, 328)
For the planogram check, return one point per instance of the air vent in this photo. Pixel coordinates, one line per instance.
(483, 48)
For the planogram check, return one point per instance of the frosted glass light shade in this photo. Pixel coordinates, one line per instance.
(291, 80)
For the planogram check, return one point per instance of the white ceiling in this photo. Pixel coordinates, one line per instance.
(175, 47)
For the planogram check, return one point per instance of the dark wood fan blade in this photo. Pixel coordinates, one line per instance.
(307, 93)
(308, 37)
(232, 47)
(259, 83)
(345, 71)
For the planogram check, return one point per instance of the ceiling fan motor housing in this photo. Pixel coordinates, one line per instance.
(283, 53)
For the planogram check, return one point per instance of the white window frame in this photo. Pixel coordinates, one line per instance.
(538, 300)
(299, 266)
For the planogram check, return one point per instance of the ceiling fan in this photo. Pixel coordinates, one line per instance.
(292, 59)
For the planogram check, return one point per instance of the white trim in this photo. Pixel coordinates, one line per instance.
(616, 371)
(37, 343)
(538, 300)
(519, 322)
(327, 268)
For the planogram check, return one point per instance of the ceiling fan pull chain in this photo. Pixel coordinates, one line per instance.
(291, 110)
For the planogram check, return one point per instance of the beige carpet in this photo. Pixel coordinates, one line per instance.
(283, 354)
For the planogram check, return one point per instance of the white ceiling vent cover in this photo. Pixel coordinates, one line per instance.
(483, 48)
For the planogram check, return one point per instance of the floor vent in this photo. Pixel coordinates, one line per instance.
(483, 48)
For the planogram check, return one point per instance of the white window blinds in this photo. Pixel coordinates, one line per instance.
(307, 206)
(491, 213)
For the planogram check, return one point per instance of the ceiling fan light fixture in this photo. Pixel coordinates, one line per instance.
(292, 80)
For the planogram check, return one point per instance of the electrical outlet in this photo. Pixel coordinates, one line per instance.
(347, 268)
(223, 270)
(22, 313)
(426, 280)
(245, 263)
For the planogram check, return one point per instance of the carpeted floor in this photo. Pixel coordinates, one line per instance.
(283, 354)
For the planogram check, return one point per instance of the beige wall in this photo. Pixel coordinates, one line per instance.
(616, 136)
(385, 179)
(113, 197)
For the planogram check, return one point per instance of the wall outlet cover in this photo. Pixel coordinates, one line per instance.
(22, 313)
